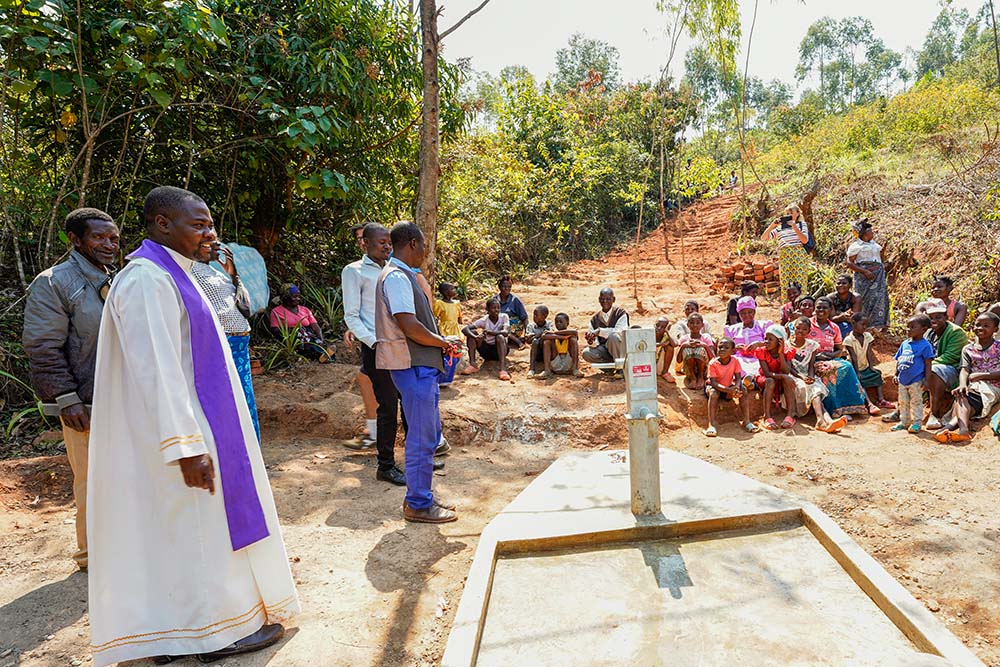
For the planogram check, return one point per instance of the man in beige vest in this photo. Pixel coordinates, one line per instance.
(410, 347)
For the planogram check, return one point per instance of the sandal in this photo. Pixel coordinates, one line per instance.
(886, 405)
(788, 422)
(711, 432)
(874, 410)
(669, 378)
(469, 370)
(505, 376)
(837, 425)
(752, 428)
(770, 424)
(952, 437)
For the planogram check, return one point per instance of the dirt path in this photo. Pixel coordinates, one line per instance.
(377, 591)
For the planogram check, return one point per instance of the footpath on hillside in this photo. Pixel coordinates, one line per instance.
(378, 591)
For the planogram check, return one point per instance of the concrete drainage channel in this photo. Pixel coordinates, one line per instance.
(590, 431)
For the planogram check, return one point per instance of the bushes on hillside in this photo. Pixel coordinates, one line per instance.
(562, 177)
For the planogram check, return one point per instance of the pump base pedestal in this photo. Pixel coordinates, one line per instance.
(731, 571)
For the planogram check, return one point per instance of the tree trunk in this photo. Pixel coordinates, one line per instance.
(430, 164)
(996, 41)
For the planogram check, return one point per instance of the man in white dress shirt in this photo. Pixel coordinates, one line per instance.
(186, 554)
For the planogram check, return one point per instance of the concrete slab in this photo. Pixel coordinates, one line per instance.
(730, 572)
(745, 598)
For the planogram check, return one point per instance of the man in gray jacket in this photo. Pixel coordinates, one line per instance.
(62, 318)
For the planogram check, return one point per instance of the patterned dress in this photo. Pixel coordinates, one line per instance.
(793, 260)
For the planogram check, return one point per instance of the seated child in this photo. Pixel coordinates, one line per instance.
(725, 383)
(913, 366)
(448, 311)
(488, 336)
(978, 388)
(789, 311)
(561, 349)
(775, 379)
(681, 327)
(533, 336)
(859, 348)
(664, 349)
(695, 349)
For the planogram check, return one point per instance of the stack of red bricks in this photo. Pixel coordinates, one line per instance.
(763, 271)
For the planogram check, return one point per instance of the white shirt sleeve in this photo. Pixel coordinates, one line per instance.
(350, 287)
(154, 331)
(620, 325)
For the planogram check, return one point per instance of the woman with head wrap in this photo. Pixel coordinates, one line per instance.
(864, 258)
(745, 333)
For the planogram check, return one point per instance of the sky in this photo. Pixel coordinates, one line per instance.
(529, 32)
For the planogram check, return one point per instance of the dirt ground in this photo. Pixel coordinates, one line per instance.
(378, 591)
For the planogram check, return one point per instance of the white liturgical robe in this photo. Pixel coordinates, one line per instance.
(164, 579)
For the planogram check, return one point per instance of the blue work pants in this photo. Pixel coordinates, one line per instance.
(419, 393)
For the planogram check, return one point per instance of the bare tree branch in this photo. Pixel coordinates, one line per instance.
(463, 20)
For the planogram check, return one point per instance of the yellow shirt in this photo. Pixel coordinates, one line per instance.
(562, 345)
(448, 315)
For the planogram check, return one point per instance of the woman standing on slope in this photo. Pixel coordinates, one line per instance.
(864, 257)
(792, 234)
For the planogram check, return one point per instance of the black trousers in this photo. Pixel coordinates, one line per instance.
(387, 415)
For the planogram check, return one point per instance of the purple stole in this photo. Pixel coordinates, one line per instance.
(215, 393)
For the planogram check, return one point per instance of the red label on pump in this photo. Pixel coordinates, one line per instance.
(643, 371)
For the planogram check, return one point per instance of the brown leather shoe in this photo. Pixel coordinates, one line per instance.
(268, 635)
(445, 504)
(433, 514)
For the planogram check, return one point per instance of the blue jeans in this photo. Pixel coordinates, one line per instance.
(419, 392)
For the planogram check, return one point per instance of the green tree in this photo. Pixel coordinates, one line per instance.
(941, 45)
(283, 115)
(702, 74)
(581, 56)
(820, 46)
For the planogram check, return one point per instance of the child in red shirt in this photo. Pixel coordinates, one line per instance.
(725, 382)
(775, 377)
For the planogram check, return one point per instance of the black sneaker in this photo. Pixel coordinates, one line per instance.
(442, 448)
(438, 465)
(393, 475)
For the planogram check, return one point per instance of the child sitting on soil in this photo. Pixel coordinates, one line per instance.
(913, 365)
(695, 349)
(725, 383)
(665, 345)
(448, 311)
(978, 388)
(561, 349)
(533, 334)
(860, 349)
(809, 393)
(789, 311)
(488, 336)
(681, 327)
(775, 377)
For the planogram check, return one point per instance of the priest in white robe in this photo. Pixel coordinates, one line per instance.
(186, 554)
